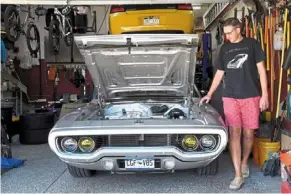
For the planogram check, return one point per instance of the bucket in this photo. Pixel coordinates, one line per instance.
(256, 148)
(266, 149)
(285, 158)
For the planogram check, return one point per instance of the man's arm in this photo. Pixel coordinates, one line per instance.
(216, 81)
(263, 78)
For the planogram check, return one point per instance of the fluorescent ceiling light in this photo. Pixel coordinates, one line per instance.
(196, 7)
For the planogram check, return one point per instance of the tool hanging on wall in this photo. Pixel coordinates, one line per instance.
(52, 73)
(55, 86)
(219, 32)
(242, 19)
(78, 78)
(247, 29)
(272, 57)
(280, 122)
(281, 66)
(254, 25)
(287, 61)
(260, 26)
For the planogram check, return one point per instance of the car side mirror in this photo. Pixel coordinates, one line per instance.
(287, 61)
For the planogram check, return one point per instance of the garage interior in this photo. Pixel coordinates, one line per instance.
(43, 81)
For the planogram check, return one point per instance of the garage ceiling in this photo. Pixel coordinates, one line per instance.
(104, 2)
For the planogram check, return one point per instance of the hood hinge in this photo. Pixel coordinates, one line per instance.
(100, 98)
(129, 44)
(189, 99)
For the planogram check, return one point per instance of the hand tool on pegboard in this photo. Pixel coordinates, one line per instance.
(281, 66)
(260, 26)
(254, 25)
(272, 54)
(52, 73)
(276, 59)
(242, 19)
(280, 122)
(247, 29)
(250, 24)
(219, 32)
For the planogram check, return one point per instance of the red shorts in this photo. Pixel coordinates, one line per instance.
(243, 113)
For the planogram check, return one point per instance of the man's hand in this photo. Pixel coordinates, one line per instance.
(216, 81)
(205, 98)
(264, 103)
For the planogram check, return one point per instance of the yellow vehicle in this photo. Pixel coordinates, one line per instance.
(157, 18)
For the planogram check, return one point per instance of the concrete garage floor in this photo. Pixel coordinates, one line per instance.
(43, 172)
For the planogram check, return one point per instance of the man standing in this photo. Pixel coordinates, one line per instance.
(241, 63)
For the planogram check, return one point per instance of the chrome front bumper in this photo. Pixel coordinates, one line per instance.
(160, 164)
(97, 159)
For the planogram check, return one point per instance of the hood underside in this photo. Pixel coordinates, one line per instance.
(140, 64)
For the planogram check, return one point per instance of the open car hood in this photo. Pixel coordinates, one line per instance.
(140, 64)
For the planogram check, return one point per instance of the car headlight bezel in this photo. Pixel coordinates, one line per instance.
(208, 147)
(64, 148)
(82, 149)
(185, 141)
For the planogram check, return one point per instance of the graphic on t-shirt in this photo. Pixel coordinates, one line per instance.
(237, 61)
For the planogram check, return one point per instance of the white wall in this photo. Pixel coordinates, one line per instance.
(21, 43)
(228, 14)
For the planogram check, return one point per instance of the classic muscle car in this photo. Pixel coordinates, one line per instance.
(145, 115)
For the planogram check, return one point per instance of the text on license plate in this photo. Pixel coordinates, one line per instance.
(151, 21)
(139, 163)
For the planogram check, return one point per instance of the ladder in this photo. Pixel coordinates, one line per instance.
(213, 13)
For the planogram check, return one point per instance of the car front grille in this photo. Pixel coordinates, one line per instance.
(139, 140)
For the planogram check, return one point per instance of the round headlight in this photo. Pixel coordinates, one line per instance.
(208, 142)
(190, 142)
(69, 144)
(86, 144)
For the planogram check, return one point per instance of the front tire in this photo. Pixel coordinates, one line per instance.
(80, 172)
(210, 169)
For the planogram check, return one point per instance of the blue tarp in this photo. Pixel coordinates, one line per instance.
(3, 52)
(9, 163)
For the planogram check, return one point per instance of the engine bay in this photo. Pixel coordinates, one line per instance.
(134, 110)
(146, 110)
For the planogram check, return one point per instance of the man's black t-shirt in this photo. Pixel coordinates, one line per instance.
(239, 62)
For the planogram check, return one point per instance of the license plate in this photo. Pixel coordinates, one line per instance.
(140, 163)
(151, 21)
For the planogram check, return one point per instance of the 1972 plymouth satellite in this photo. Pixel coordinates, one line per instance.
(146, 114)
